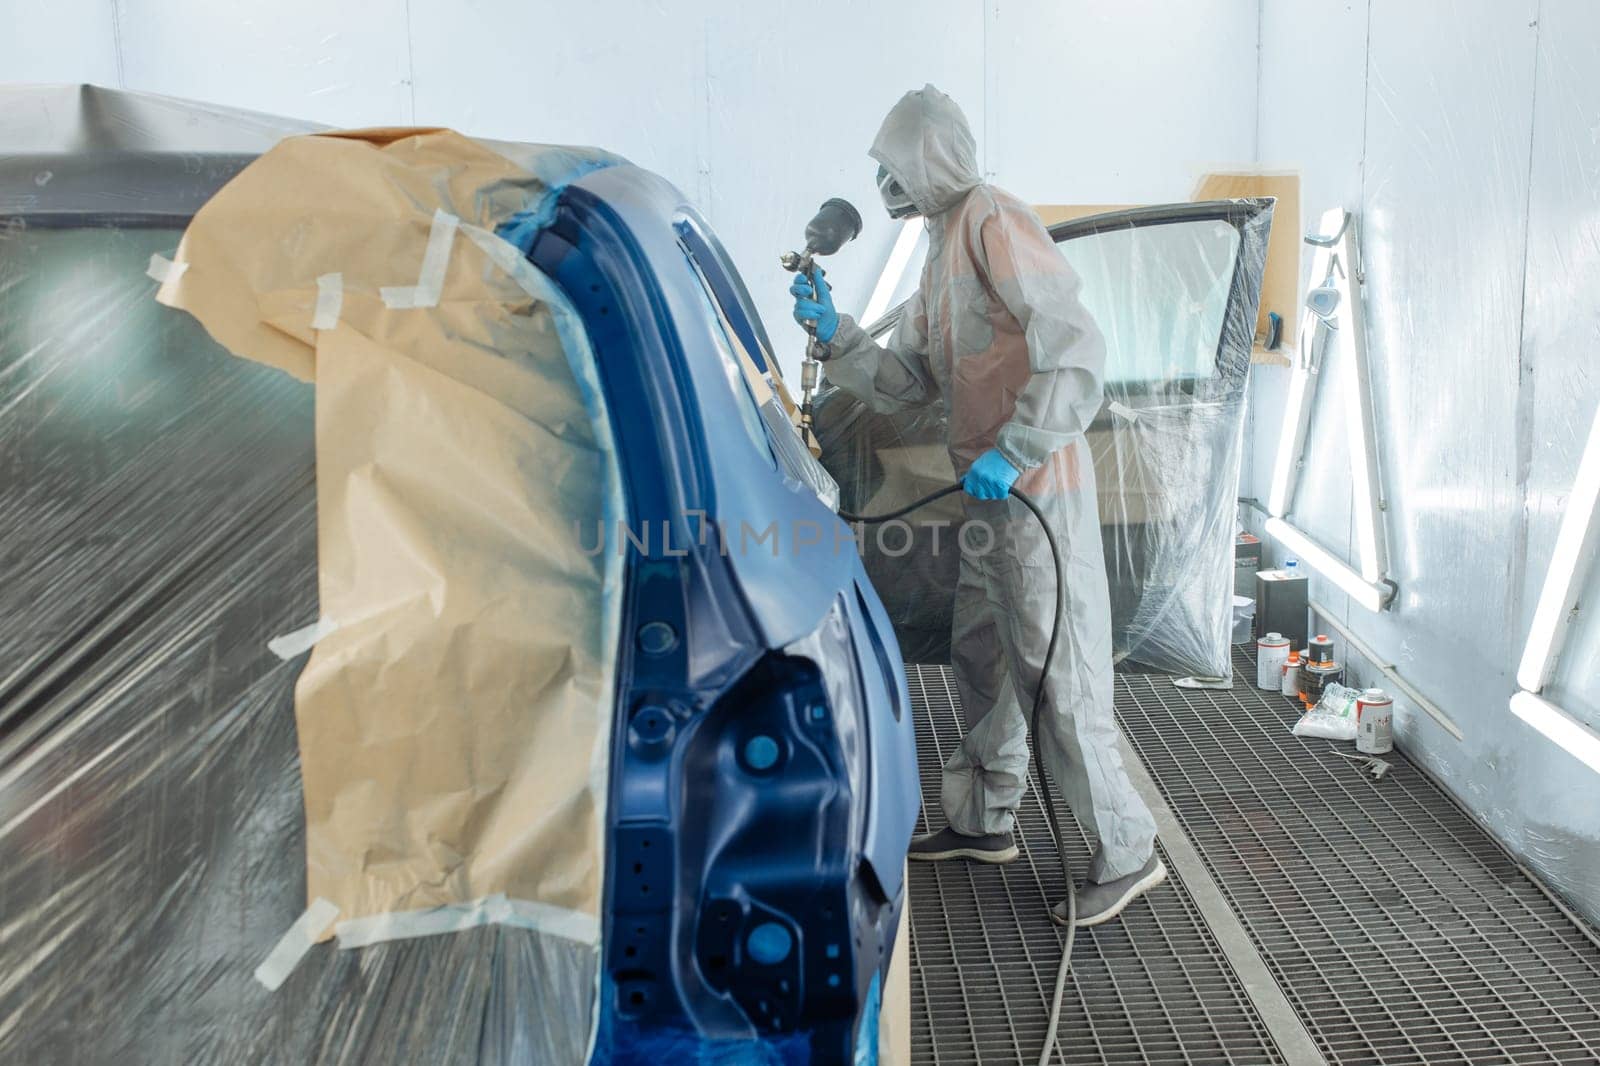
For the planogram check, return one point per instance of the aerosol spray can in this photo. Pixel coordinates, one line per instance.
(1374, 722)
(1291, 675)
(1272, 651)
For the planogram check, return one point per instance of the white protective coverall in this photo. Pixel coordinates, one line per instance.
(997, 333)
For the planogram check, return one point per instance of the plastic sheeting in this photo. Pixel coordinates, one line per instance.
(454, 716)
(1174, 291)
(160, 516)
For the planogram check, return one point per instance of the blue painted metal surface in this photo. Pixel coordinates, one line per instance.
(764, 781)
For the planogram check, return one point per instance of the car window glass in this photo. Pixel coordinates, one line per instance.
(727, 288)
(793, 457)
(749, 409)
(1159, 294)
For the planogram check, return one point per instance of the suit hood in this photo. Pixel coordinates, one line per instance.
(926, 144)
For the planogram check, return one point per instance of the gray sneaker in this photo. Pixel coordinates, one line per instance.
(949, 844)
(1101, 903)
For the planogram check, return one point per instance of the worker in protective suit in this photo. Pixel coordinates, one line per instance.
(996, 333)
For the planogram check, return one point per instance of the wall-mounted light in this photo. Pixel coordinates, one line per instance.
(1291, 442)
(1333, 318)
(1372, 597)
(1566, 732)
(1570, 562)
(899, 259)
(1576, 541)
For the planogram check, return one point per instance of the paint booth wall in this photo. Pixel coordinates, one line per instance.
(758, 112)
(1464, 134)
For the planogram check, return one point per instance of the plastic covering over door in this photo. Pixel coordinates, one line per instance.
(1174, 291)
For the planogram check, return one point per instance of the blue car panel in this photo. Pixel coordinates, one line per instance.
(764, 774)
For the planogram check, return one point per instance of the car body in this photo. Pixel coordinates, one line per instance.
(762, 779)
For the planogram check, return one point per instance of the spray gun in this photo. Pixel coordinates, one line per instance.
(835, 224)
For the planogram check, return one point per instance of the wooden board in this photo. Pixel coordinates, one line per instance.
(1280, 284)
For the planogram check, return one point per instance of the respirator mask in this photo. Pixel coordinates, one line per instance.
(895, 198)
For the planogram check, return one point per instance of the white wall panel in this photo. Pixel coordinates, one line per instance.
(58, 41)
(1117, 103)
(757, 112)
(1476, 170)
(1561, 382)
(793, 117)
(1449, 126)
(345, 63)
(1561, 335)
(1449, 114)
(1312, 119)
(626, 77)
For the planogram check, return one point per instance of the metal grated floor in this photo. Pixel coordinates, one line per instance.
(1152, 988)
(1396, 927)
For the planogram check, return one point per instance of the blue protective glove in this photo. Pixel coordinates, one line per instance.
(813, 302)
(990, 476)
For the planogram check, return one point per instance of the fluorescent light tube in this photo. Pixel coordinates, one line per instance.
(895, 269)
(1568, 572)
(1566, 732)
(1290, 440)
(1358, 416)
(1329, 566)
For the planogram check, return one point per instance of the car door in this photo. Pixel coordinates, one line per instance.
(1174, 288)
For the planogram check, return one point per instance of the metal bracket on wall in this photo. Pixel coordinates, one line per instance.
(1333, 315)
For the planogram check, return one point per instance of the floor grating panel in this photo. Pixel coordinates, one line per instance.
(1153, 988)
(1395, 926)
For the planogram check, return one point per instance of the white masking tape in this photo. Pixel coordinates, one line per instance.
(1121, 411)
(505, 256)
(490, 910)
(288, 645)
(293, 945)
(435, 261)
(164, 270)
(500, 253)
(330, 300)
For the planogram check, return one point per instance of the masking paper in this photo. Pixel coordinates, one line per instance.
(454, 727)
